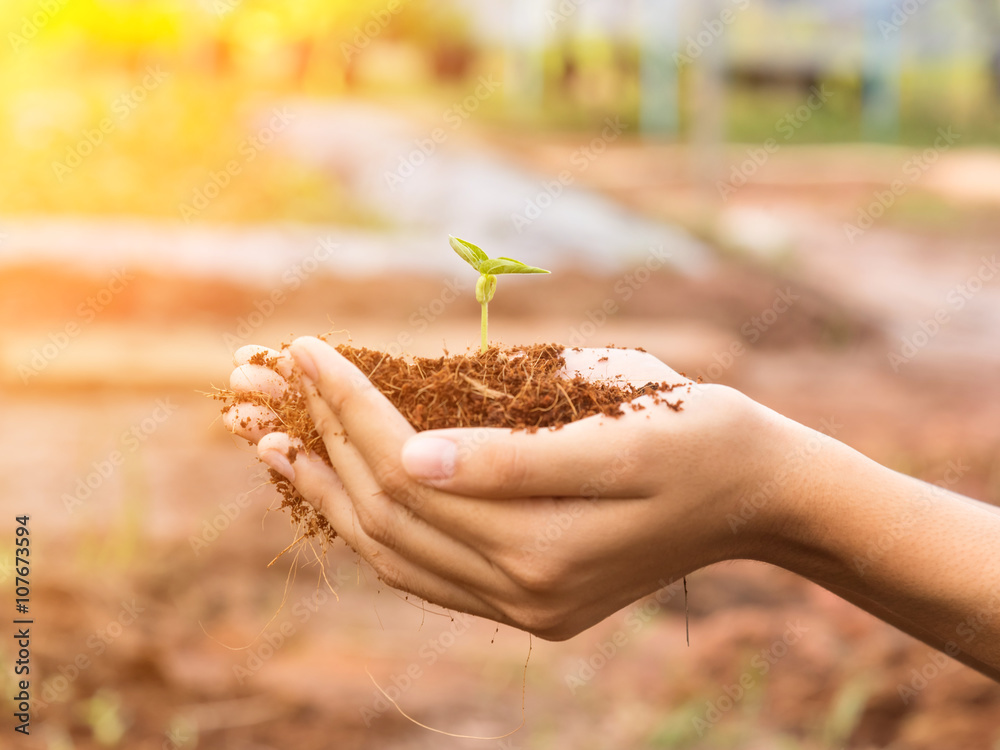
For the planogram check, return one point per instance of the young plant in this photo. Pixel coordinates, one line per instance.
(489, 269)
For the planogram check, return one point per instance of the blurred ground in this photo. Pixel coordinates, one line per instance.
(160, 625)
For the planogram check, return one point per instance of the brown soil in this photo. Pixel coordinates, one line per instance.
(520, 388)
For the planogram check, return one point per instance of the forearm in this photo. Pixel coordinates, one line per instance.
(924, 559)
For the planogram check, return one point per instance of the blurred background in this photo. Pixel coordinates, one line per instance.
(797, 198)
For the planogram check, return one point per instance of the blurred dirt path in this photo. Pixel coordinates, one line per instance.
(430, 175)
(404, 171)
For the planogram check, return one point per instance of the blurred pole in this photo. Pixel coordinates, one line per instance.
(524, 66)
(709, 94)
(659, 94)
(880, 74)
(988, 20)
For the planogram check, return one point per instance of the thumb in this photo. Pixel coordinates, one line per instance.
(595, 457)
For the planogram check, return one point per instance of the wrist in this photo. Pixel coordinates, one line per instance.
(756, 467)
(786, 509)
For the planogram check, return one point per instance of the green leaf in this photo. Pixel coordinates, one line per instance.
(507, 265)
(471, 254)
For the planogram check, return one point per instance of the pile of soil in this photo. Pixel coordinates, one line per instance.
(520, 388)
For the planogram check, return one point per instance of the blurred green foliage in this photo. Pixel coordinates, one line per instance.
(67, 67)
(131, 108)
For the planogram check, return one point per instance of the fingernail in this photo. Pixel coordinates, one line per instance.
(279, 462)
(305, 362)
(429, 458)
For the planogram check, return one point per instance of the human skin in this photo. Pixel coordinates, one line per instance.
(464, 517)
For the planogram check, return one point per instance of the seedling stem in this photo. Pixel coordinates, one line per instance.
(486, 284)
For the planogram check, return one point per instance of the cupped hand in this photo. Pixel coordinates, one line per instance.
(550, 531)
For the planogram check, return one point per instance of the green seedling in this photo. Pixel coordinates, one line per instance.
(489, 269)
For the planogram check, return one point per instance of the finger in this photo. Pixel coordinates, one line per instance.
(420, 522)
(427, 570)
(421, 529)
(262, 355)
(595, 457)
(364, 434)
(376, 429)
(620, 365)
(245, 354)
(315, 479)
(250, 421)
(258, 379)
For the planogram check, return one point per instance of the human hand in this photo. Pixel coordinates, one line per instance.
(551, 531)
